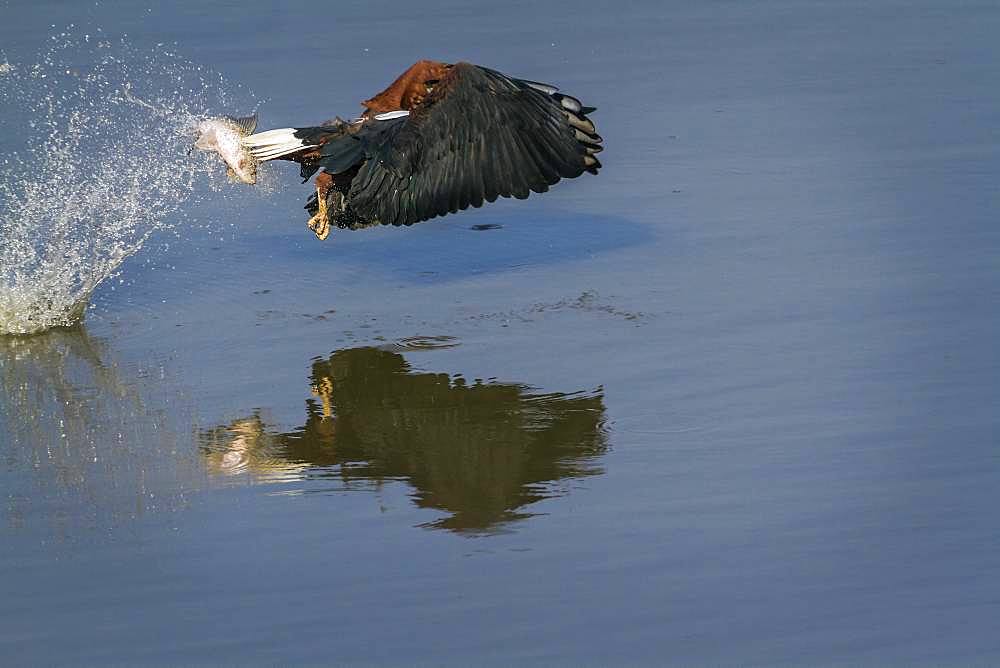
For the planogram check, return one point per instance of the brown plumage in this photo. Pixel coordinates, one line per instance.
(439, 139)
(409, 89)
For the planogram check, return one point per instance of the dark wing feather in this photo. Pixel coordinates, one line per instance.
(477, 135)
(344, 146)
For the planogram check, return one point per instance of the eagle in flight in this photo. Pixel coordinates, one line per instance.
(442, 137)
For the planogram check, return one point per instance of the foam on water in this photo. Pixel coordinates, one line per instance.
(96, 138)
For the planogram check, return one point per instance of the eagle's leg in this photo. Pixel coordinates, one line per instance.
(320, 223)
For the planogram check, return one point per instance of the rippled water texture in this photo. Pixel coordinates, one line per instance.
(104, 163)
(71, 422)
(731, 402)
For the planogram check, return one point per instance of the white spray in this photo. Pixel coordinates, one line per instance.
(96, 174)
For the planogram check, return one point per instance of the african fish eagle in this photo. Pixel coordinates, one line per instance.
(442, 137)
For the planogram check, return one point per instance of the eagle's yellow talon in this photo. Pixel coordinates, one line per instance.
(323, 231)
(320, 223)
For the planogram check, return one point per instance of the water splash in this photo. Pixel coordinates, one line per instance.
(100, 161)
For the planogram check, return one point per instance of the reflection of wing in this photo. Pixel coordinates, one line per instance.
(478, 451)
(475, 136)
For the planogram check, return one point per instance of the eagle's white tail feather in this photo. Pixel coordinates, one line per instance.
(274, 143)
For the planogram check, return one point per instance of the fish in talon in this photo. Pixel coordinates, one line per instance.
(223, 135)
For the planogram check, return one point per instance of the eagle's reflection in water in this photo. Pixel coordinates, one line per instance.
(478, 451)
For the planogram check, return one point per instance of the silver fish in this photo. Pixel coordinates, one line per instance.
(222, 135)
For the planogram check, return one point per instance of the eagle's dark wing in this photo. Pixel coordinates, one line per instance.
(477, 135)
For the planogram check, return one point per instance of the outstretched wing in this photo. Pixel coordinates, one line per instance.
(476, 136)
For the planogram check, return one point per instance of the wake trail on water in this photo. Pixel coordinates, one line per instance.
(95, 157)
